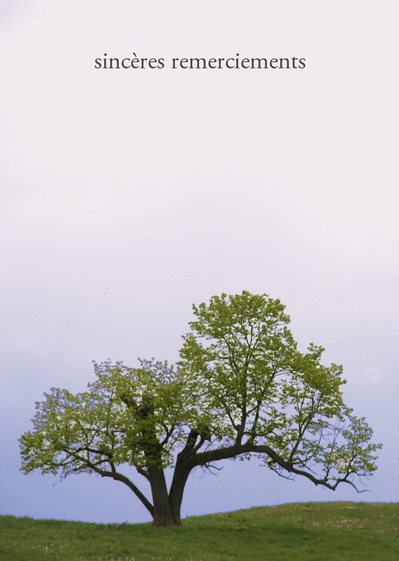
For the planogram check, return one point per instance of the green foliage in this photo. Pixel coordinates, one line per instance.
(128, 415)
(301, 532)
(258, 391)
(241, 389)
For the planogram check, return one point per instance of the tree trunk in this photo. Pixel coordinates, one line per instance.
(176, 491)
(167, 506)
(163, 515)
(185, 462)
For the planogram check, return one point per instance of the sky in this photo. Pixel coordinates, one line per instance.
(128, 195)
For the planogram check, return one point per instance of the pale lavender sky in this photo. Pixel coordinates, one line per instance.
(128, 195)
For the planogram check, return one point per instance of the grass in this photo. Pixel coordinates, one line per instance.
(295, 532)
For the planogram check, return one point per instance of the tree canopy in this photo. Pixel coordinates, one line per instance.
(241, 389)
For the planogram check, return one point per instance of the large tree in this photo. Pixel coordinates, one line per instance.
(241, 389)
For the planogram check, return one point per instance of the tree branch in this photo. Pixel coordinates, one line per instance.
(119, 477)
(205, 458)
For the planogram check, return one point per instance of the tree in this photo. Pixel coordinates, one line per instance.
(241, 389)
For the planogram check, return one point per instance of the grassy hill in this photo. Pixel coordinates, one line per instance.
(294, 532)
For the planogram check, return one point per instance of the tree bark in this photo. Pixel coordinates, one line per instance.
(180, 477)
(167, 506)
(185, 462)
(163, 515)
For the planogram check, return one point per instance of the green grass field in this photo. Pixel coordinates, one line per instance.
(294, 532)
